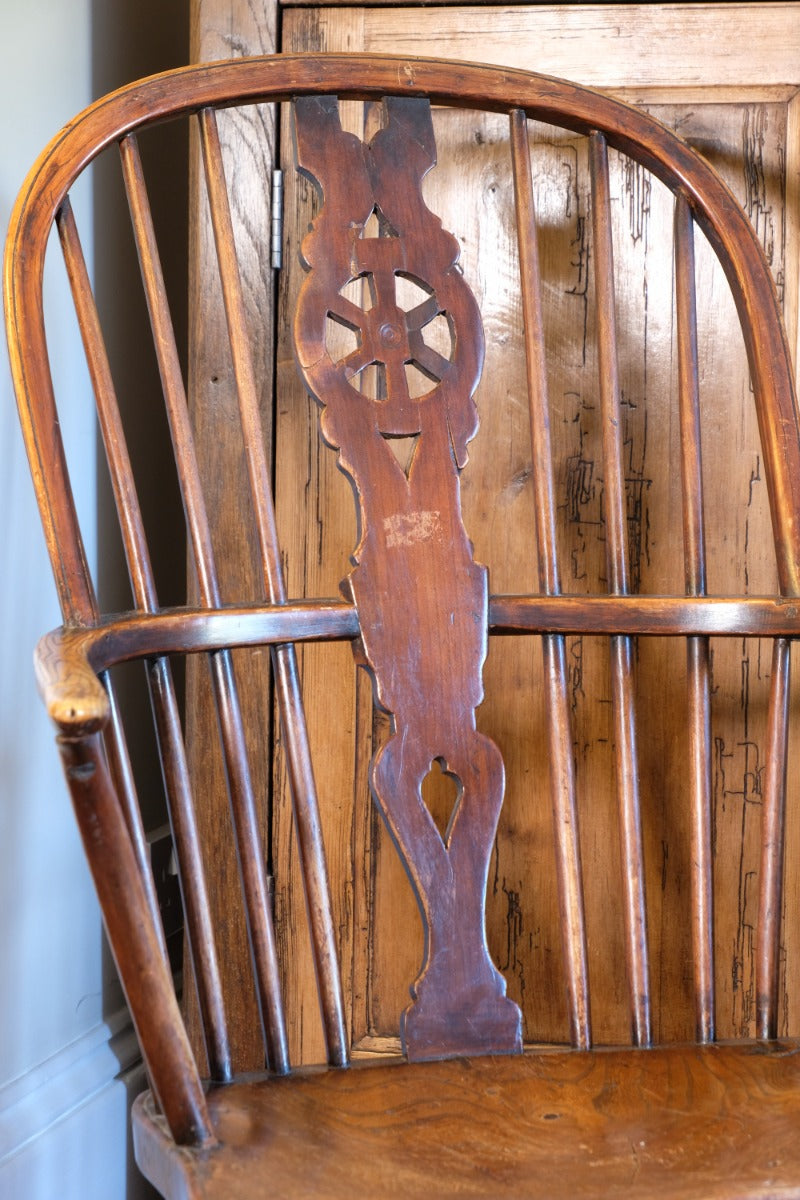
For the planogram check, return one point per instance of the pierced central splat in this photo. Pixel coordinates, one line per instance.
(389, 340)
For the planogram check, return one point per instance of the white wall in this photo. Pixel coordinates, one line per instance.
(68, 1060)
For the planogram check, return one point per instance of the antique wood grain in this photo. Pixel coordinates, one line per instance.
(537, 1125)
(305, 807)
(70, 659)
(770, 903)
(615, 505)
(123, 899)
(247, 832)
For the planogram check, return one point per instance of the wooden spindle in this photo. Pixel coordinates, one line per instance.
(773, 811)
(165, 706)
(94, 347)
(616, 563)
(303, 787)
(562, 776)
(697, 649)
(253, 873)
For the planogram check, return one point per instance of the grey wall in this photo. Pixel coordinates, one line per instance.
(68, 1059)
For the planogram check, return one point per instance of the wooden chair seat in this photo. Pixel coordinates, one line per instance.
(672, 1122)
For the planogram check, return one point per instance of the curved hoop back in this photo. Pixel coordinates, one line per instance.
(418, 606)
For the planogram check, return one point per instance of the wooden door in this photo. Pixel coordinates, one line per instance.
(726, 76)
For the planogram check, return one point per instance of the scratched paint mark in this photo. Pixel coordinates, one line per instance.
(406, 529)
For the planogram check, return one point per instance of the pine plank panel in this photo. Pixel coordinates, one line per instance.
(607, 46)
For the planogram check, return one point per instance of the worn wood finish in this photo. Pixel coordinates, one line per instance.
(538, 1125)
(69, 660)
(770, 907)
(622, 677)
(430, 614)
(137, 948)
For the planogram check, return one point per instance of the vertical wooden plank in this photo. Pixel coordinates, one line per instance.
(739, 552)
(615, 512)
(316, 524)
(718, 122)
(224, 29)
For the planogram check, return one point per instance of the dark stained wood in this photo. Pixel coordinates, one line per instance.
(136, 947)
(707, 1120)
(69, 659)
(745, 129)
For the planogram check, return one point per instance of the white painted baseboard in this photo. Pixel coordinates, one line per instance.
(64, 1126)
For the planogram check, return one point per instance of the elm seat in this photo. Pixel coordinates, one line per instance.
(718, 1120)
(465, 1110)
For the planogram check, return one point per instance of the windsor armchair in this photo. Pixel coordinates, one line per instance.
(463, 1111)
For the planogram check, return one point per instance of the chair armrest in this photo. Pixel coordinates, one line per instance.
(70, 687)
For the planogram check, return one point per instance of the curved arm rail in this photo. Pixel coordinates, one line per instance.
(69, 660)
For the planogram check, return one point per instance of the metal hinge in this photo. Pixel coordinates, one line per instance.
(277, 219)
